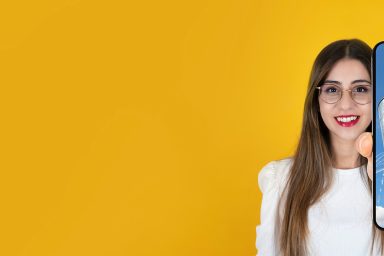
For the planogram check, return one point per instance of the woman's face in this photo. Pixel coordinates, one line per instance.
(346, 73)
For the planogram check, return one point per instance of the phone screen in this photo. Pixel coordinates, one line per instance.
(378, 133)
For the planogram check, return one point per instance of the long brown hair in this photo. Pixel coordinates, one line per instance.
(311, 174)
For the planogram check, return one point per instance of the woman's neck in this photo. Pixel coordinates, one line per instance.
(345, 156)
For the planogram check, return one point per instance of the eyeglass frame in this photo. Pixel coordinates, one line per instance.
(342, 93)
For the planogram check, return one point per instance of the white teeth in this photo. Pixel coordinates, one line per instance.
(346, 119)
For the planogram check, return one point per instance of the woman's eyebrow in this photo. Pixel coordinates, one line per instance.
(361, 81)
(354, 82)
(332, 82)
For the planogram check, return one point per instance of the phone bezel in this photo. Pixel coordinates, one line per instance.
(373, 77)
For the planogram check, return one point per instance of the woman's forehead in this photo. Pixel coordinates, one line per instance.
(347, 71)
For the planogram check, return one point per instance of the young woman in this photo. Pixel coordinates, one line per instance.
(319, 202)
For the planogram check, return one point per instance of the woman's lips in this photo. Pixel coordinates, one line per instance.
(348, 124)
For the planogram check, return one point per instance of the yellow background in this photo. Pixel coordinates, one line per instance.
(139, 127)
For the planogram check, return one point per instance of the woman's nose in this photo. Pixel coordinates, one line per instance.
(346, 100)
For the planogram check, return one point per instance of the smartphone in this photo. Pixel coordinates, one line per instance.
(378, 133)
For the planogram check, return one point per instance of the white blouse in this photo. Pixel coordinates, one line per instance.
(339, 224)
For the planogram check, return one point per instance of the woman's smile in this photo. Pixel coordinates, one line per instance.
(347, 120)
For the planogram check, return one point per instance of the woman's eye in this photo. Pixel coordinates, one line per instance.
(361, 89)
(331, 90)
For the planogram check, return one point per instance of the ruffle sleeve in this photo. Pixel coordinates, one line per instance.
(270, 180)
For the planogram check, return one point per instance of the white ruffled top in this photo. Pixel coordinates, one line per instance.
(340, 224)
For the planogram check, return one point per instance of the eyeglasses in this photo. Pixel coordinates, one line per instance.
(331, 93)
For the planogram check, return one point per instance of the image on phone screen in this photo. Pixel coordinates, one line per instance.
(378, 133)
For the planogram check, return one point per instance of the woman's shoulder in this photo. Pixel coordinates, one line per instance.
(274, 174)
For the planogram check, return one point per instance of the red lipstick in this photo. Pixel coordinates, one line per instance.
(345, 123)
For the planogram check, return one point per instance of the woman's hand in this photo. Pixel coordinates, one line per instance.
(364, 144)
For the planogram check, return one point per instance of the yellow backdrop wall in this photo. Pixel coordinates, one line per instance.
(139, 128)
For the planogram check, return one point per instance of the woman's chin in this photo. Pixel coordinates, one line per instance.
(350, 137)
